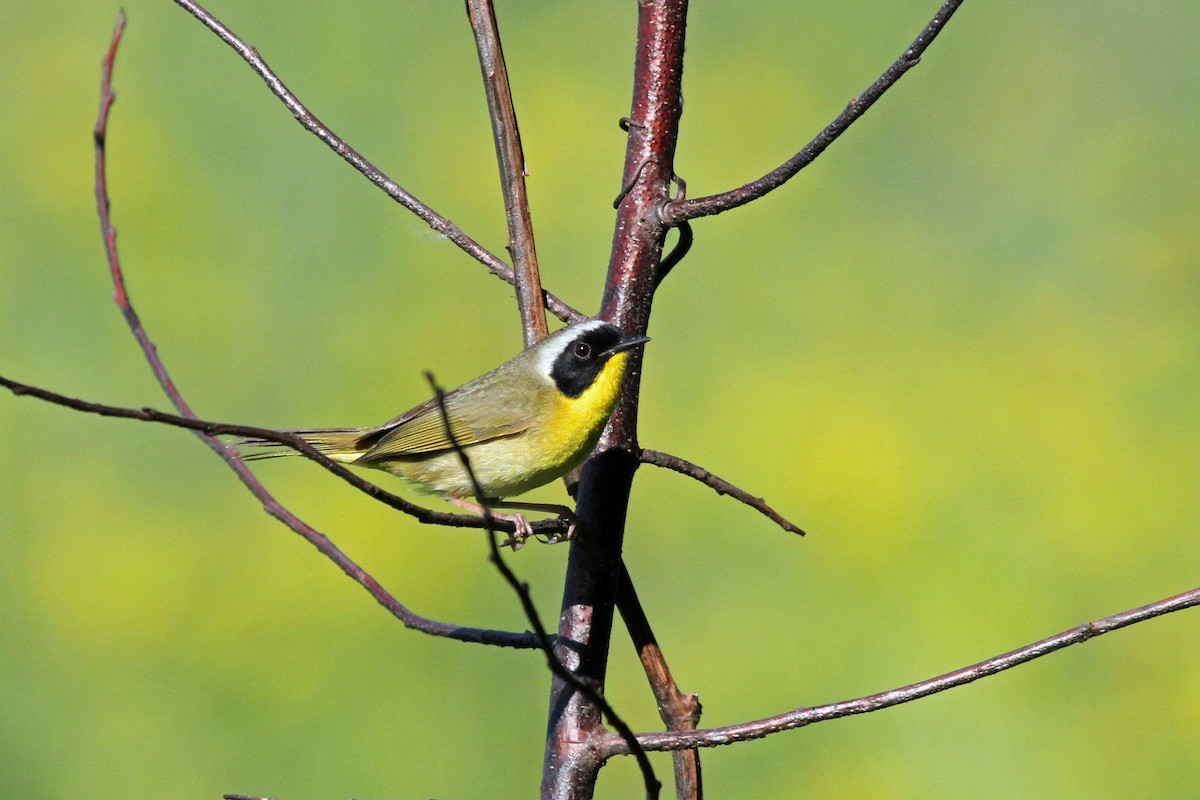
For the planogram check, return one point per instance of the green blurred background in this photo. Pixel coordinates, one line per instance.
(962, 350)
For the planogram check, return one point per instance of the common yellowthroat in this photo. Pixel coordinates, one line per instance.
(525, 423)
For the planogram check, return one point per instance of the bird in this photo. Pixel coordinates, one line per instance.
(525, 423)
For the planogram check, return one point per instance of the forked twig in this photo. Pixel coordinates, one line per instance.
(801, 717)
(313, 125)
(719, 485)
(676, 210)
(188, 418)
(544, 640)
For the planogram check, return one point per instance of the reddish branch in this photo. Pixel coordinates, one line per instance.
(679, 210)
(573, 754)
(807, 716)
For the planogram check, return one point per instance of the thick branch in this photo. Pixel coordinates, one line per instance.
(593, 568)
(676, 211)
(801, 717)
(310, 122)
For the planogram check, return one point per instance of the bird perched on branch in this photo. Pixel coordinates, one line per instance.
(528, 421)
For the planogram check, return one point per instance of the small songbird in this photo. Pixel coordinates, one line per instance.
(525, 423)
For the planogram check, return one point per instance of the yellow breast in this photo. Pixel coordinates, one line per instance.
(564, 434)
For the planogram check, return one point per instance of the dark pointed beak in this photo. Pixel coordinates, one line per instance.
(626, 343)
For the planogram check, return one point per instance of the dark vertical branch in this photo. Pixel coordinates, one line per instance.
(531, 613)
(573, 754)
(511, 160)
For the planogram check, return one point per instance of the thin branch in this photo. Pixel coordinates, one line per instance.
(719, 485)
(109, 232)
(545, 642)
(677, 210)
(678, 711)
(270, 505)
(801, 717)
(313, 125)
(511, 160)
(208, 429)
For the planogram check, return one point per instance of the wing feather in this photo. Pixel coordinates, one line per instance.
(475, 416)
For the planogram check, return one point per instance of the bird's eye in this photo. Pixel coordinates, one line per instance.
(583, 350)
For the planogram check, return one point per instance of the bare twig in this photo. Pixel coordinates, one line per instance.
(511, 160)
(109, 232)
(547, 527)
(681, 248)
(188, 418)
(719, 485)
(545, 642)
(678, 711)
(310, 122)
(806, 716)
(677, 210)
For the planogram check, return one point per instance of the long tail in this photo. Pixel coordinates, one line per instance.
(339, 444)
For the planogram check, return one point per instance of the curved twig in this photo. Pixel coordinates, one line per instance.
(270, 504)
(188, 418)
(676, 210)
(209, 430)
(681, 248)
(801, 717)
(719, 485)
(314, 126)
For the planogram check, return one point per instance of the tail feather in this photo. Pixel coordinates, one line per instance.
(339, 444)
